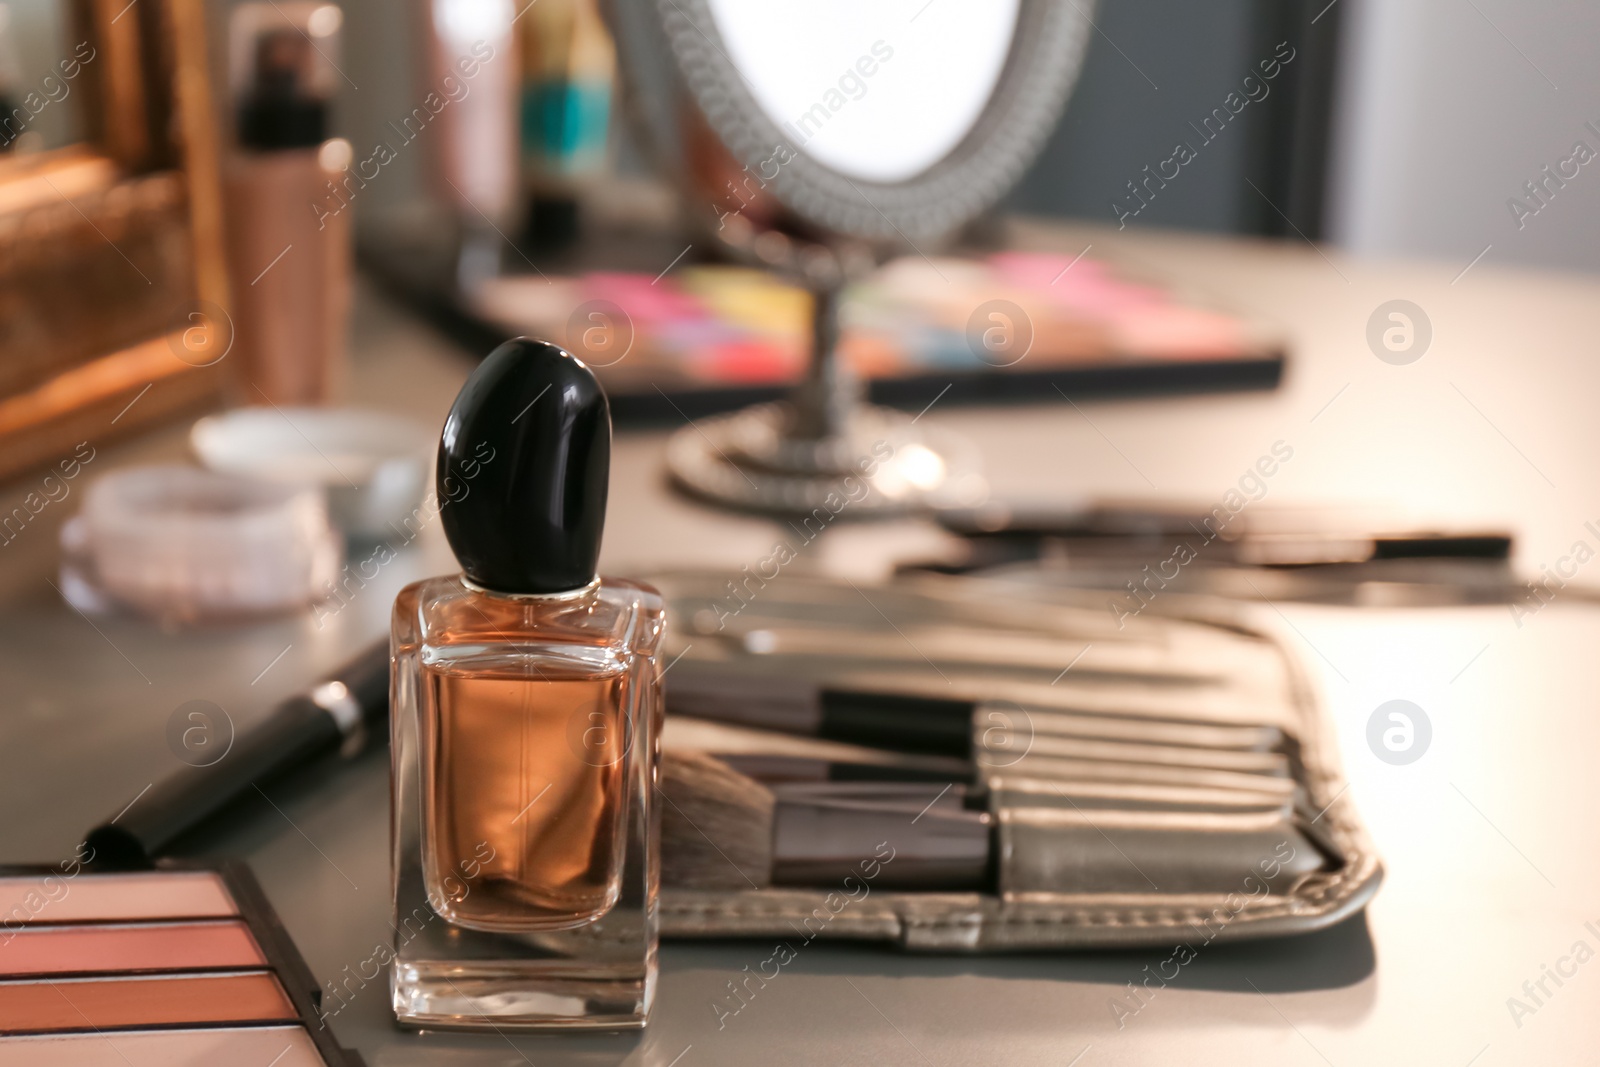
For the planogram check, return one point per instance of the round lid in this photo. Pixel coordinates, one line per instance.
(524, 464)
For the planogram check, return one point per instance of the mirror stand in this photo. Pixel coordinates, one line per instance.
(824, 448)
(725, 93)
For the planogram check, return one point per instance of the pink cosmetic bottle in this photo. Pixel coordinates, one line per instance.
(288, 229)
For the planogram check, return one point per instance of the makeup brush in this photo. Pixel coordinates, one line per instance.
(724, 830)
(1084, 784)
(981, 649)
(772, 769)
(1265, 537)
(960, 727)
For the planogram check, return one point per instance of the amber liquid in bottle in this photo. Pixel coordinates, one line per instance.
(524, 792)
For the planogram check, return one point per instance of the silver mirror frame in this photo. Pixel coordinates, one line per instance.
(1040, 69)
(789, 458)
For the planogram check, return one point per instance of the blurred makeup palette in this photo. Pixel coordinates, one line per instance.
(1011, 325)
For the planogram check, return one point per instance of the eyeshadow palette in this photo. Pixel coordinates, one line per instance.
(1010, 326)
(181, 966)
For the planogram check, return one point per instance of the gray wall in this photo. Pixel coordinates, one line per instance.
(1447, 108)
(1152, 67)
(1442, 112)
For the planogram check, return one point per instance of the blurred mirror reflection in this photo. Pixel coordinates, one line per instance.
(40, 107)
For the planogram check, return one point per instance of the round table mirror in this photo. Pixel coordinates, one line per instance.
(818, 139)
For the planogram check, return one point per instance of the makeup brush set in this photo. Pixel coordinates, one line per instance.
(949, 763)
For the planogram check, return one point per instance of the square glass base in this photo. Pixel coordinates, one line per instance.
(520, 995)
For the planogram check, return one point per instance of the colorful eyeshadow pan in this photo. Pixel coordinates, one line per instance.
(130, 947)
(183, 966)
(279, 1046)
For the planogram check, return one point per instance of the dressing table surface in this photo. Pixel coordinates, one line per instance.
(1492, 872)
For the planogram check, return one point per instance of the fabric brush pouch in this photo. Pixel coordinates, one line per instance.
(1143, 779)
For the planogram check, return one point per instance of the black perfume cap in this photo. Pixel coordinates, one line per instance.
(524, 465)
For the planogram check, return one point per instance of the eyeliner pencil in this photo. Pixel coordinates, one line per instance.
(338, 714)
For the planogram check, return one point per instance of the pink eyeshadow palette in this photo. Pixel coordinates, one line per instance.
(715, 337)
(174, 966)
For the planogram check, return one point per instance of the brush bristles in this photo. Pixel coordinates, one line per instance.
(716, 825)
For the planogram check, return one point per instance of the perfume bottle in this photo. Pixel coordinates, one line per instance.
(526, 707)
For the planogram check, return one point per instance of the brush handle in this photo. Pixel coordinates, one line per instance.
(898, 722)
(1279, 543)
(780, 770)
(918, 836)
(958, 647)
(951, 838)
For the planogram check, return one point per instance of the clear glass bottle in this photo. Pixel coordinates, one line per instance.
(525, 743)
(525, 747)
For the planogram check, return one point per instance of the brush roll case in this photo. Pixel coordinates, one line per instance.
(1150, 778)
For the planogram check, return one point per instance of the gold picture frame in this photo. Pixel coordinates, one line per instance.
(114, 301)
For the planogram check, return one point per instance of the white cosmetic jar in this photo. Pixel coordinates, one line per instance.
(179, 542)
